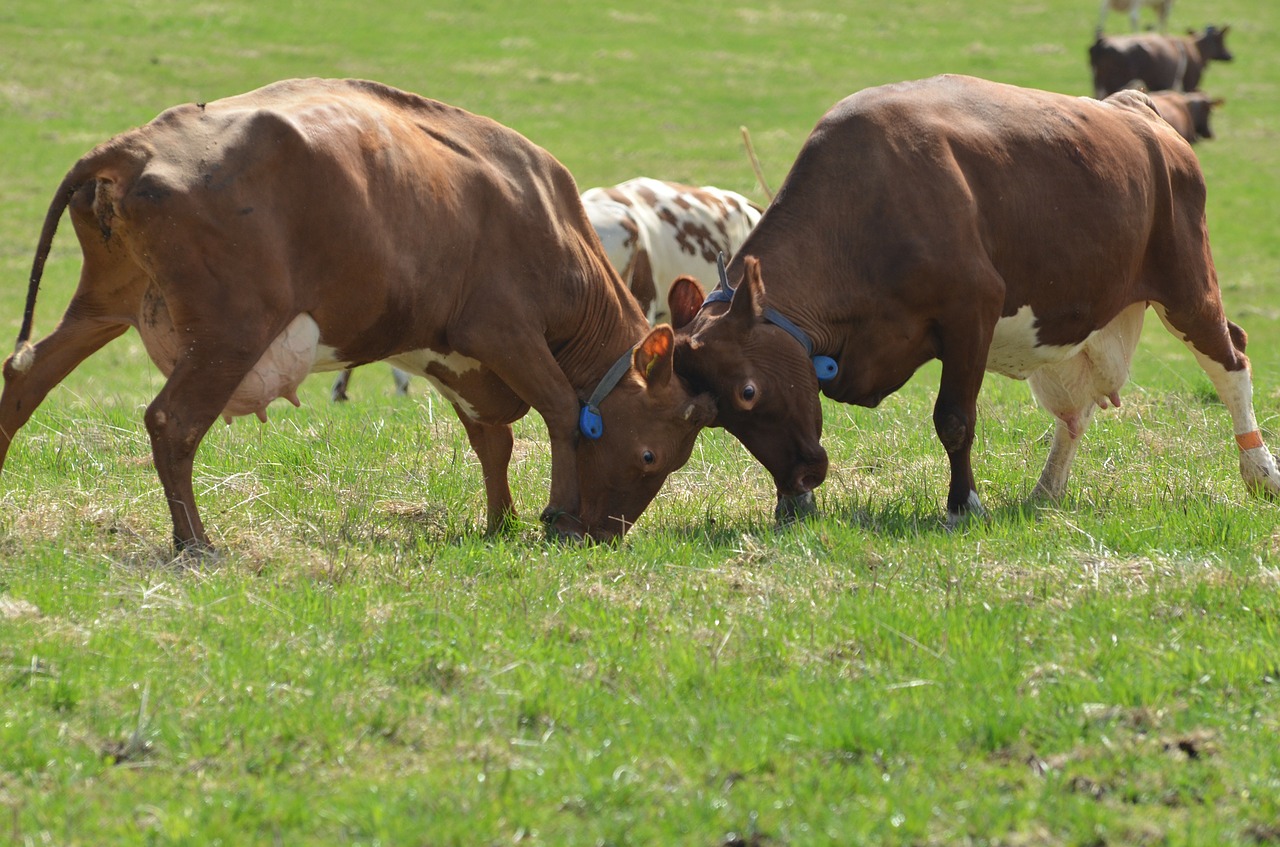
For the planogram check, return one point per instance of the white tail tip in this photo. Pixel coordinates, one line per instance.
(24, 356)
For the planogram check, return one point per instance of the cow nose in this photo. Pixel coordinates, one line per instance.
(811, 472)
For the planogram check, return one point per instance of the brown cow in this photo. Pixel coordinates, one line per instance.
(313, 224)
(988, 226)
(1158, 61)
(652, 231)
(1188, 113)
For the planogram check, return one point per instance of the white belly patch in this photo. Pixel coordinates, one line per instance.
(453, 364)
(1014, 349)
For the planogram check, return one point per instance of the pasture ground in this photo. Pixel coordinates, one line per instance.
(363, 667)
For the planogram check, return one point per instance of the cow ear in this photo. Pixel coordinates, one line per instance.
(748, 299)
(653, 357)
(684, 300)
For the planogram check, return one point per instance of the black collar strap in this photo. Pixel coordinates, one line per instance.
(824, 366)
(589, 421)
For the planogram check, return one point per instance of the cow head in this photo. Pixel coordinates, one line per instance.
(1200, 106)
(762, 379)
(651, 421)
(1212, 43)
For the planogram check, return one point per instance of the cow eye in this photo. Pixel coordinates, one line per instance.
(648, 457)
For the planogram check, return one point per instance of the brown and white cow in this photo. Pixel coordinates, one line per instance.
(313, 224)
(654, 231)
(988, 226)
(1161, 7)
(1187, 112)
(1157, 61)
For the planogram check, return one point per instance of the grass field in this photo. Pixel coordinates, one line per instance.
(363, 666)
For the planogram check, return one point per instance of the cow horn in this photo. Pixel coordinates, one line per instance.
(724, 275)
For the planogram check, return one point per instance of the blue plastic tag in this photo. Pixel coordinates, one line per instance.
(590, 423)
(826, 367)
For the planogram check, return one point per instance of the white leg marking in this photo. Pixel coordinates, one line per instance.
(1235, 388)
(972, 508)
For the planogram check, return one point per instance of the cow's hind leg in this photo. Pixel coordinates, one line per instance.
(32, 372)
(338, 393)
(177, 421)
(493, 444)
(1072, 390)
(1219, 349)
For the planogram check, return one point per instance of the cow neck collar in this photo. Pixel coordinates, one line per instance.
(824, 366)
(590, 423)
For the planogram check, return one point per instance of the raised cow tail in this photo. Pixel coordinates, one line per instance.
(88, 168)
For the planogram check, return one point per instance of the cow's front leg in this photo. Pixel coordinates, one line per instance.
(493, 444)
(955, 413)
(523, 362)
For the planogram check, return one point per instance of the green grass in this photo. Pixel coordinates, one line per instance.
(364, 667)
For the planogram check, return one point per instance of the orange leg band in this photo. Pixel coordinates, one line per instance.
(1249, 440)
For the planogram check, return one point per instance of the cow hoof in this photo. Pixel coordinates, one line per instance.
(794, 507)
(1260, 472)
(199, 554)
(972, 508)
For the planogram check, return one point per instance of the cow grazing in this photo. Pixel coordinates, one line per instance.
(313, 224)
(1188, 113)
(655, 231)
(652, 232)
(1156, 61)
(988, 226)
(1162, 8)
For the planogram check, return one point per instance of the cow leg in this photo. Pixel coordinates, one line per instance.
(46, 364)
(178, 419)
(1219, 349)
(338, 394)
(955, 413)
(525, 364)
(493, 444)
(401, 380)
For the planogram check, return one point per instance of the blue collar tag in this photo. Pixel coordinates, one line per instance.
(590, 422)
(826, 368)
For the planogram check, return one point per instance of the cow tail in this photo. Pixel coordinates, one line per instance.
(88, 168)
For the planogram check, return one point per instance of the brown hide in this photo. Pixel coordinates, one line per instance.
(246, 237)
(916, 217)
(1187, 113)
(1158, 62)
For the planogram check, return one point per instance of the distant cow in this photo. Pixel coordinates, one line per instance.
(1162, 8)
(313, 224)
(1188, 113)
(1157, 61)
(654, 231)
(988, 226)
